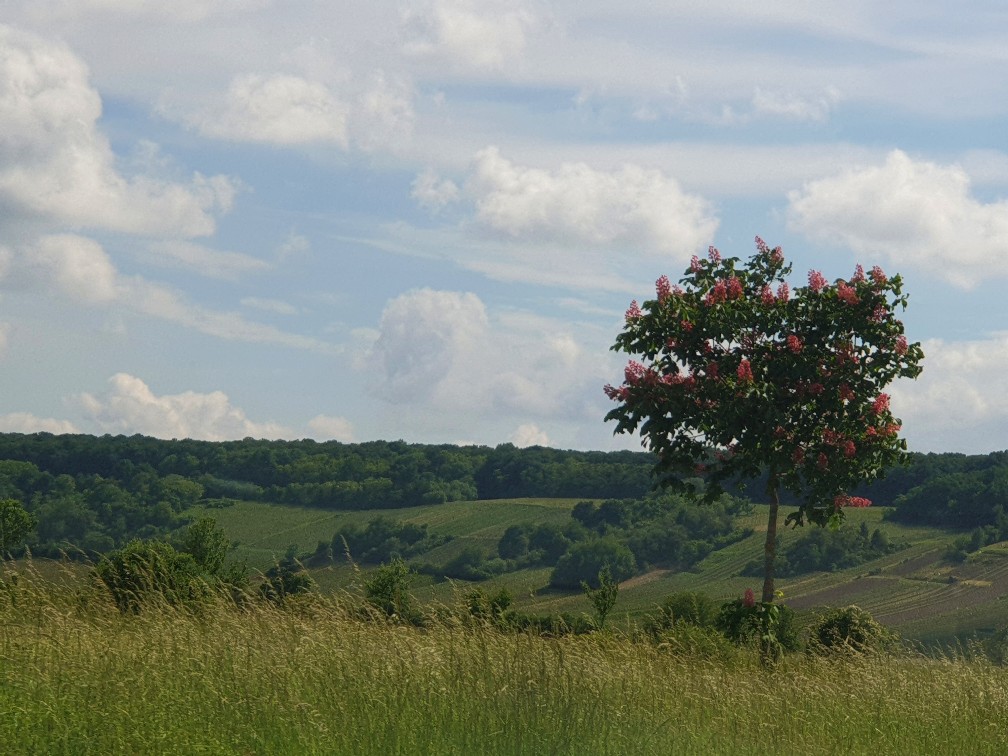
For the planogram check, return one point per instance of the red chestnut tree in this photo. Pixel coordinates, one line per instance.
(734, 376)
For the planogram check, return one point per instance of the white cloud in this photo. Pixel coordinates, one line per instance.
(433, 192)
(383, 116)
(270, 305)
(960, 401)
(56, 164)
(915, 212)
(466, 34)
(185, 11)
(439, 357)
(77, 265)
(325, 427)
(213, 263)
(578, 204)
(24, 422)
(795, 107)
(529, 434)
(131, 407)
(277, 109)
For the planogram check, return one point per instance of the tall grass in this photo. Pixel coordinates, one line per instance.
(77, 676)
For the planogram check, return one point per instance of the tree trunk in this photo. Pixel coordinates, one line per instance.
(770, 549)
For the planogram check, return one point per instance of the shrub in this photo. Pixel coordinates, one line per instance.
(848, 630)
(145, 571)
(584, 560)
(683, 608)
(285, 579)
(772, 626)
(388, 590)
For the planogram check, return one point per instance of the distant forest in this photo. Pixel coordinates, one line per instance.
(92, 494)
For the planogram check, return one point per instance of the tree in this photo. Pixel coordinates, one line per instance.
(15, 525)
(734, 377)
(207, 543)
(603, 598)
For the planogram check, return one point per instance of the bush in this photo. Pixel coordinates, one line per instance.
(149, 571)
(584, 560)
(848, 630)
(388, 590)
(771, 626)
(285, 579)
(683, 608)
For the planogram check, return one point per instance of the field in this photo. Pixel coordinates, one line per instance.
(914, 591)
(319, 676)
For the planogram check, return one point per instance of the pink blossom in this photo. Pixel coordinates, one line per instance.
(745, 371)
(777, 256)
(849, 449)
(821, 461)
(671, 344)
(695, 265)
(634, 312)
(619, 394)
(766, 296)
(749, 598)
(794, 343)
(664, 288)
(901, 345)
(847, 294)
(879, 313)
(761, 246)
(712, 370)
(634, 372)
(713, 254)
(784, 292)
(846, 392)
(881, 404)
(816, 388)
(878, 276)
(846, 500)
(718, 294)
(816, 281)
(799, 455)
(734, 288)
(858, 276)
(686, 325)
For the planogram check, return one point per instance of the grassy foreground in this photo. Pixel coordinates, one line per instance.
(76, 676)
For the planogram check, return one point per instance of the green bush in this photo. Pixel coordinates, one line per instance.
(142, 572)
(388, 590)
(771, 626)
(848, 630)
(683, 608)
(285, 579)
(584, 560)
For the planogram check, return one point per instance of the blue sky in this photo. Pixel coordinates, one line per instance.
(425, 220)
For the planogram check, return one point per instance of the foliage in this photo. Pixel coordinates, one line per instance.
(285, 579)
(603, 598)
(15, 525)
(207, 544)
(767, 625)
(383, 539)
(848, 630)
(388, 590)
(683, 608)
(739, 377)
(145, 572)
(829, 549)
(585, 560)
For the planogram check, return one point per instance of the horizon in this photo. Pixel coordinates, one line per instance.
(425, 222)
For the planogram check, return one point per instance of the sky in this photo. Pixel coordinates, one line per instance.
(425, 220)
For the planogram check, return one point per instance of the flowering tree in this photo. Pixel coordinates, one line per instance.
(736, 376)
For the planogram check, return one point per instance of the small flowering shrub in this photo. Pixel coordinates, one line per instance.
(733, 374)
(747, 621)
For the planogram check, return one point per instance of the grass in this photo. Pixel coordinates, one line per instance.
(76, 676)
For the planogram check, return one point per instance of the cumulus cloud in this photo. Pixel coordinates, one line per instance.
(25, 422)
(57, 165)
(278, 109)
(78, 267)
(326, 427)
(383, 116)
(529, 434)
(483, 36)
(915, 212)
(129, 406)
(584, 205)
(960, 401)
(439, 354)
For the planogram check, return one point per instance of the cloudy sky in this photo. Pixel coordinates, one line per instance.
(424, 220)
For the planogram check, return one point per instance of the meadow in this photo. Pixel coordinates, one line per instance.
(321, 675)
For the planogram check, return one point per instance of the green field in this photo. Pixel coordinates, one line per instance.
(913, 591)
